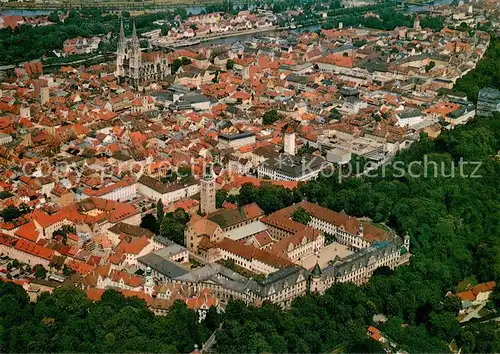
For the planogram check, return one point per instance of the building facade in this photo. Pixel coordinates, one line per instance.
(488, 102)
(207, 194)
(167, 193)
(137, 68)
(291, 168)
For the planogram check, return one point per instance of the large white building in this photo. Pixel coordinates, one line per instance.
(288, 167)
(168, 193)
(121, 191)
(372, 246)
(236, 140)
(409, 118)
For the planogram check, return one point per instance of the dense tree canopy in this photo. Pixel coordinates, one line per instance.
(270, 117)
(170, 225)
(451, 220)
(486, 74)
(269, 197)
(32, 42)
(68, 321)
(11, 212)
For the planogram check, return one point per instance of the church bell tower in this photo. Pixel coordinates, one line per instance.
(207, 193)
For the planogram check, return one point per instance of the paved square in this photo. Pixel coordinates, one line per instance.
(327, 254)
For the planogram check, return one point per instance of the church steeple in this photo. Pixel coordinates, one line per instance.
(135, 57)
(135, 39)
(122, 31)
(121, 52)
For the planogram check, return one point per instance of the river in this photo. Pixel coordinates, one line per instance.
(249, 37)
(194, 10)
(25, 13)
(417, 8)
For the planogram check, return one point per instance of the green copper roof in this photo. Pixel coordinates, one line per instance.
(316, 272)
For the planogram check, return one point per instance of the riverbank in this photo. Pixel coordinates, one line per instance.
(420, 2)
(205, 39)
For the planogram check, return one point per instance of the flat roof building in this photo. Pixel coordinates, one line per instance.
(488, 102)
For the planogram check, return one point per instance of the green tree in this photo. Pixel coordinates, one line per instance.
(159, 211)
(430, 66)
(40, 271)
(174, 67)
(53, 17)
(173, 225)
(334, 115)
(184, 171)
(185, 61)
(10, 213)
(67, 271)
(149, 222)
(220, 197)
(230, 64)
(270, 117)
(301, 215)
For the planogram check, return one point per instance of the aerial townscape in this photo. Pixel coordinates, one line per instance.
(256, 176)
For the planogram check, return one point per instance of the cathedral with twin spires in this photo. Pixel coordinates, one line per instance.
(135, 67)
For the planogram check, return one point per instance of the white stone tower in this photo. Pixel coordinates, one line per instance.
(406, 243)
(289, 141)
(207, 193)
(149, 283)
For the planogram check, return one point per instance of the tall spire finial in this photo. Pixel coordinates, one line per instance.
(122, 30)
(134, 31)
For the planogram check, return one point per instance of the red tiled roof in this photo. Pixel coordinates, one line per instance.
(34, 249)
(483, 287)
(133, 247)
(263, 238)
(466, 295)
(251, 253)
(252, 210)
(80, 267)
(28, 231)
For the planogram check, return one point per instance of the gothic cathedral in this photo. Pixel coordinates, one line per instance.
(135, 67)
